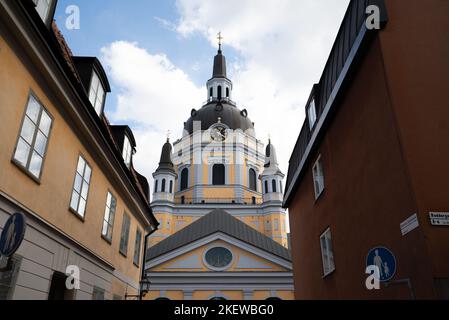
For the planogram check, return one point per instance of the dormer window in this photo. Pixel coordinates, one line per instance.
(127, 152)
(96, 93)
(311, 112)
(43, 8)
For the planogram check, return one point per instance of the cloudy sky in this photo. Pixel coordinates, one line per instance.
(159, 53)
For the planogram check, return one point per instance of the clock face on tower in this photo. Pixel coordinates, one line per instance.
(218, 257)
(218, 132)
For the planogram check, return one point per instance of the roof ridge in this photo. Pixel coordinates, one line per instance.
(218, 220)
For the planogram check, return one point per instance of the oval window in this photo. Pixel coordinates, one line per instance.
(218, 257)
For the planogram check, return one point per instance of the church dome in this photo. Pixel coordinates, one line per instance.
(210, 114)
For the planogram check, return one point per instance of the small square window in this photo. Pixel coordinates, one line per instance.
(124, 236)
(109, 214)
(81, 187)
(318, 178)
(311, 113)
(96, 93)
(327, 253)
(32, 145)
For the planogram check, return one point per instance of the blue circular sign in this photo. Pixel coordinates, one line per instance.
(12, 234)
(384, 259)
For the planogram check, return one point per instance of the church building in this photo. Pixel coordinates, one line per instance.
(218, 197)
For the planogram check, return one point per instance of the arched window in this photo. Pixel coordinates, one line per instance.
(281, 189)
(266, 186)
(252, 180)
(163, 185)
(219, 92)
(155, 186)
(273, 185)
(171, 186)
(162, 299)
(184, 179)
(218, 175)
(218, 298)
(227, 92)
(211, 92)
(273, 299)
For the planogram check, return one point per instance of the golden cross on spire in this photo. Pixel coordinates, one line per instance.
(168, 135)
(219, 40)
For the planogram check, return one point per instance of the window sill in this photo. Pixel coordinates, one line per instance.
(76, 214)
(136, 265)
(109, 241)
(319, 196)
(327, 275)
(26, 172)
(125, 255)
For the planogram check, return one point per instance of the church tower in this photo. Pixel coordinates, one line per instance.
(218, 187)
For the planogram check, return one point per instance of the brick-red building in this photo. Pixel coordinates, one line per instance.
(374, 151)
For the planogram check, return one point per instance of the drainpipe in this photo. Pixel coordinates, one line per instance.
(142, 275)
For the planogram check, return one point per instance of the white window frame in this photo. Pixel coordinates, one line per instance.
(127, 151)
(96, 93)
(311, 114)
(109, 216)
(81, 185)
(124, 235)
(45, 15)
(327, 253)
(318, 177)
(137, 248)
(34, 136)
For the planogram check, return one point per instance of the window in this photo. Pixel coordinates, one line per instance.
(137, 247)
(81, 187)
(155, 186)
(311, 112)
(98, 293)
(273, 185)
(127, 152)
(227, 92)
(327, 253)
(218, 174)
(219, 92)
(124, 237)
(163, 185)
(211, 92)
(184, 179)
(252, 180)
(109, 214)
(276, 224)
(183, 200)
(266, 186)
(43, 8)
(33, 140)
(318, 178)
(281, 189)
(96, 93)
(171, 186)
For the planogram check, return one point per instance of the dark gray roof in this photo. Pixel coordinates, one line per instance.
(218, 221)
(166, 162)
(219, 66)
(229, 114)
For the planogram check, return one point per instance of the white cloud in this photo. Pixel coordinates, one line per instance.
(284, 45)
(283, 48)
(153, 94)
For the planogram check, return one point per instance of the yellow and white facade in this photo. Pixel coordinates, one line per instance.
(219, 164)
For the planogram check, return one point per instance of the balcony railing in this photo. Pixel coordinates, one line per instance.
(241, 201)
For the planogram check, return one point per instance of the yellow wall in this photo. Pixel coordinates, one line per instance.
(50, 199)
(199, 252)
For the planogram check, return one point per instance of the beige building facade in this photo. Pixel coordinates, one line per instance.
(64, 167)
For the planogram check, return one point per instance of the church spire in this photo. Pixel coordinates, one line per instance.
(219, 61)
